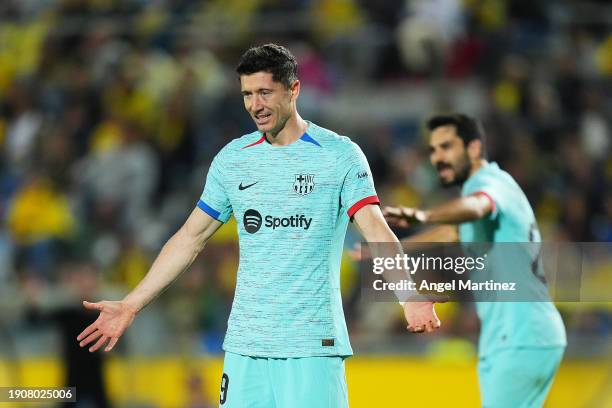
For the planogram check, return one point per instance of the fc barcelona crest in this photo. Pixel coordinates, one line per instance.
(304, 184)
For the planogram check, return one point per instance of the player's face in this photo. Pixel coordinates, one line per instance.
(449, 156)
(269, 103)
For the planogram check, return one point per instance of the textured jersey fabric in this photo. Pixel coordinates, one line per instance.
(512, 229)
(292, 205)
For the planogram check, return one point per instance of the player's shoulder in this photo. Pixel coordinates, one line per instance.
(488, 172)
(331, 139)
(494, 180)
(494, 174)
(238, 144)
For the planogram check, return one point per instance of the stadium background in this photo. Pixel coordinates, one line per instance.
(110, 112)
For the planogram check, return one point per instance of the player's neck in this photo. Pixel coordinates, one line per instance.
(477, 165)
(294, 128)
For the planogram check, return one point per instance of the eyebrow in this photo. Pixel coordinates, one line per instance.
(257, 90)
(444, 144)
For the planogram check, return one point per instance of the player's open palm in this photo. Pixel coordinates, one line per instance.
(114, 319)
(421, 317)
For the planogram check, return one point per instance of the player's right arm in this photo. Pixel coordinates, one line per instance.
(174, 258)
(463, 209)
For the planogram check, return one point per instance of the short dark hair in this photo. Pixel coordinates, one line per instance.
(272, 58)
(467, 128)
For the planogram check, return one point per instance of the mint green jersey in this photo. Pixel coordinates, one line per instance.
(506, 324)
(292, 205)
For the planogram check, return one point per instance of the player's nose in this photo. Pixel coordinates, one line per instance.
(435, 157)
(257, 103)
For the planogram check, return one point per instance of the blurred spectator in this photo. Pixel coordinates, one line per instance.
(38, 218)
(23, 123)
(426, 35)
(83, 370)
(120, 173)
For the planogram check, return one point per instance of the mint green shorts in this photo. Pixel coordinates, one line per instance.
(519, 377)
(258, 382)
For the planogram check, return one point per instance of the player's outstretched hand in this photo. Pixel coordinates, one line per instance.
(421, 317)
(402, 217)
(114, 318)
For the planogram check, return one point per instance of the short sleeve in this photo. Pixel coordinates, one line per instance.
(214, 200)
(358, 186)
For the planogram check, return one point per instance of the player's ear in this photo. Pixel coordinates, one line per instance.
(294, 89)
(474, 148)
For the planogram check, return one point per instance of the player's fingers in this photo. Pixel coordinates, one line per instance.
(88, 330)
(93, 306)
(430, 326)
(93, 336)
(392, 212)
(98, 344)
(407, 212)
(415, 327)
(386, 210)
(111, 343)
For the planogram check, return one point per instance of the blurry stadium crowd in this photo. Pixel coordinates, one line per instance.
(110, 112)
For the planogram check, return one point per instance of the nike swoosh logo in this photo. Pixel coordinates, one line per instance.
(241, 187)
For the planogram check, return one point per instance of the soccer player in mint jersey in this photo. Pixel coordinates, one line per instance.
(521, 343)
(293, 187)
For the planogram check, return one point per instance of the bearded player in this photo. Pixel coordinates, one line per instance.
(521, 344)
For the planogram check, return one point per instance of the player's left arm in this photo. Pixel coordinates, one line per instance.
(463, 209)
(420, 315)
(371, 223)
